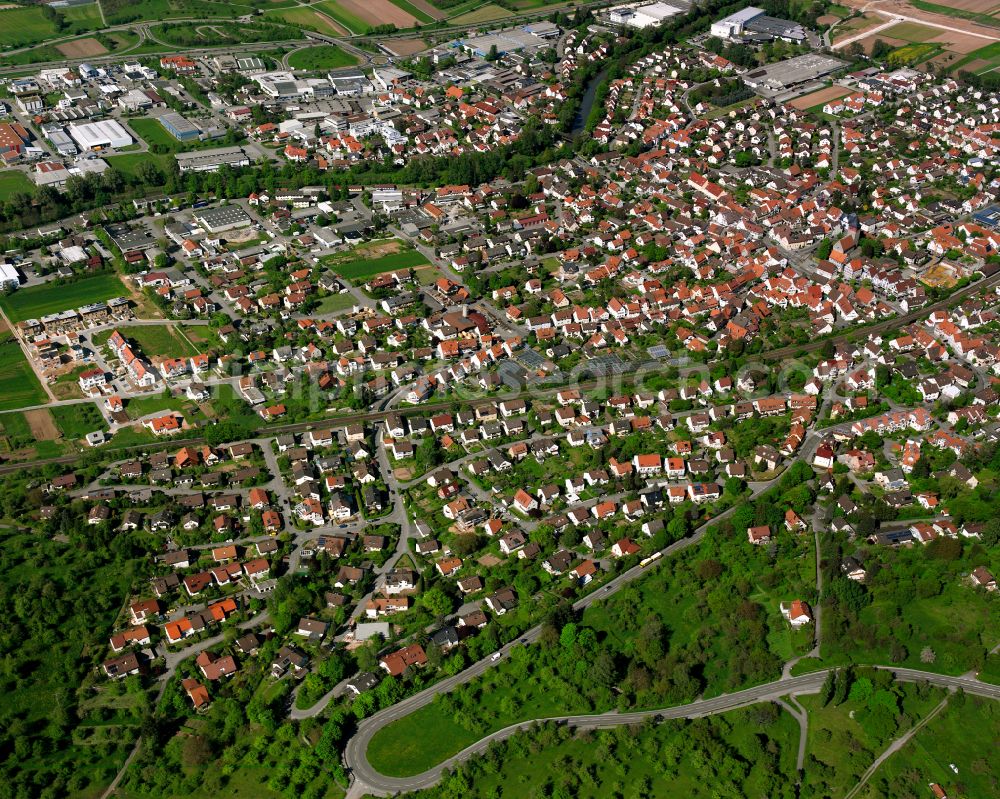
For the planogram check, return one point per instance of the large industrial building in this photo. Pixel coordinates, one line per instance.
(104, 135)
(644, 16)
(212, 160)
(754, 25)
(179, 127)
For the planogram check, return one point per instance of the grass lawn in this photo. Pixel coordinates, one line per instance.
(75, 421)
(964, 734)
(335, 303)
(130, 163)
(19, 385)
(418, 741)
(327, 56)
(360, 269)
(22, 26)
(159, 341)
(486, 13)
(49, 298)
(13, 181)
(138, 407)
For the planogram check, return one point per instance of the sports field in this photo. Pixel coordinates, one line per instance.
(36, 301)
(19, 385)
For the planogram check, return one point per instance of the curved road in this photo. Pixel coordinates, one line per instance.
(371, 780)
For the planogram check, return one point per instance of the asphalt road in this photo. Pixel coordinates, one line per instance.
(374, 782)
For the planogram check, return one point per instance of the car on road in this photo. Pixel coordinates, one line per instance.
(496, 656)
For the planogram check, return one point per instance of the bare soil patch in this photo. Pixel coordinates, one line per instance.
(378, 12)
(378, 249)
(960, 43)
(43, 426)
(820, 97)
(405, 47)
(82, 48)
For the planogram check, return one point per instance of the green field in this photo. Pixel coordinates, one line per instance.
(360, 269)
(130, 162)
(335, 303)
(13, 181)
(912, 32)
(20, 27)
(158, 341)
(913, 53)
(19, 386)
(75, 421)
(36, 301)
(487, 13)
(327, 56)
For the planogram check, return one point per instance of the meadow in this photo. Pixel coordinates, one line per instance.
(49, 298)
(13, 181)
(361, 269)
(325, 56)
(19, 386)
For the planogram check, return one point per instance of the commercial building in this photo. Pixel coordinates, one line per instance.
(212, 160)
(753, 24)
(218, 220)
(783, 75)
(644, 16)
(104, 135)
(9, 278)
(179, 127)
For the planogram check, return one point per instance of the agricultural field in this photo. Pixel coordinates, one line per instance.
(913, 53)
(325, 56)
(487, 13)
(13, 181)
(985, 12)
(985, 59)
(49, 298)
(820, 98)
(311, 18)
(19, 386)
(421, 15)
(22, 26)
(912, 32)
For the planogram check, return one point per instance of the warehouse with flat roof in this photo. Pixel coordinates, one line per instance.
(212, 160)
(217, 220)
(107, 134)
(179, 127)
